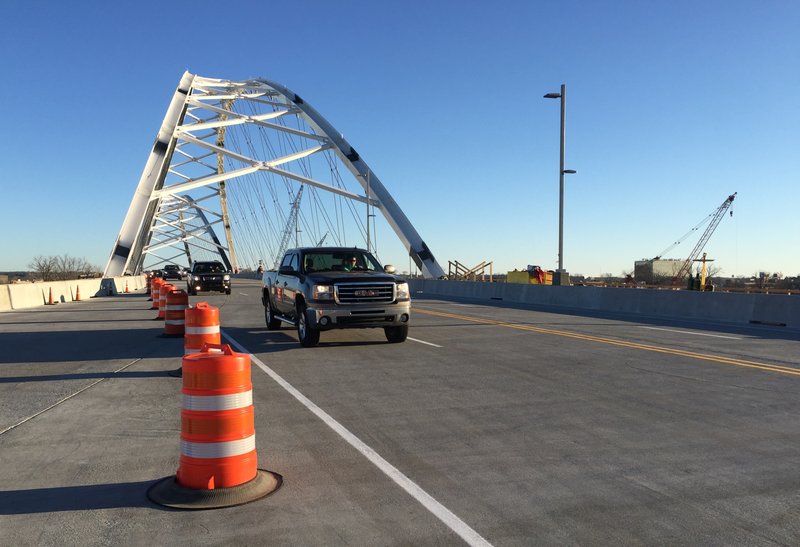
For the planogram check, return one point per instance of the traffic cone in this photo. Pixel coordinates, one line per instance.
(78, 294)
(155, 292)
(175, 314)
(162, 300)
(126, 286)
(201, 327)
(218, 462)
(50, 301)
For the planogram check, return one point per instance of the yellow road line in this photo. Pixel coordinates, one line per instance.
(615, 342)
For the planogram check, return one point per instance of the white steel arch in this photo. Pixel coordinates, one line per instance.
(198, 136)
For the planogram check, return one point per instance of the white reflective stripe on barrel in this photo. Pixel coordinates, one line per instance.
(218, 402)
(174, 322)
(176, 308)
(219, 450)
(202, 330)
(187, 351)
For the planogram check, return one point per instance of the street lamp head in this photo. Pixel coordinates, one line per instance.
(569, 171)
(553, 96)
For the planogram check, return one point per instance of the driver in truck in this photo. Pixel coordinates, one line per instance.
(349, 263)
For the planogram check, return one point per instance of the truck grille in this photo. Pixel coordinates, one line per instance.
(364, 293)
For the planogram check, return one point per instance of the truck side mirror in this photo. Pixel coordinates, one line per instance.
(389, 269)
(287, 270)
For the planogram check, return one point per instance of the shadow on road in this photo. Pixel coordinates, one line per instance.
(76, 498)
(84, 376)
(267, 341)
(87, 345)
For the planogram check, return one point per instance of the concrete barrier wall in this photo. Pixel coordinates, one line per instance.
(769, 309)
(17, 296)
(5, 298)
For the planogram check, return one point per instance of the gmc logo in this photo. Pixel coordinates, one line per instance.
(365, 292)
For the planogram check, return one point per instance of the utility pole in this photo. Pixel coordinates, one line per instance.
(561, 277)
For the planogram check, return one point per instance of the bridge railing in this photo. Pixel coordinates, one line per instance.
(719, 307)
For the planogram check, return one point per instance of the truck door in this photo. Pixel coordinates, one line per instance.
(286, 283)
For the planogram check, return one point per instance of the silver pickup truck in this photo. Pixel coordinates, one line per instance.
(324, 288)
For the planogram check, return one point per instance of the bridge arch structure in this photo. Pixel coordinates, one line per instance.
(219, 137)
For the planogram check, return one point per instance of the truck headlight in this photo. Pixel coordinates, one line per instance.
(402, 291)
(196, 278)
(226, 278)
(322, 292)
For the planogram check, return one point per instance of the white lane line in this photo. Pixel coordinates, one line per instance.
(440, 511)
(690, 332)
(424, 342)
(243, 293)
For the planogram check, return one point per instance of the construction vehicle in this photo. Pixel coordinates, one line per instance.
(715, 220)
(686, 265)
(533, 275)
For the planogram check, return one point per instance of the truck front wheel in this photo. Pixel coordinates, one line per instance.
(396, 334)
(309, 336)
(273, 323)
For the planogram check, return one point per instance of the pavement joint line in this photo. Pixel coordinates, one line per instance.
(424, 342)
(470, 536)
(624, 343)
(691, 332)
(67, 398)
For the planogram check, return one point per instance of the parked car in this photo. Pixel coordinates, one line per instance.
(208, 276)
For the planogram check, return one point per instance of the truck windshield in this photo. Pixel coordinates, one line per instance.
(340, 261)
(214, 267)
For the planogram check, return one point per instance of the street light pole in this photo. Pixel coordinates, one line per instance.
(561, 278)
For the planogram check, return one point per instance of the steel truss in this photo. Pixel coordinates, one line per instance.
(164, 222)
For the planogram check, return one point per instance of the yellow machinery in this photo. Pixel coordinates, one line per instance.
(534, 275)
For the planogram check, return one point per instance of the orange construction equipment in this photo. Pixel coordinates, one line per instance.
(78, 293)
(155, 289)
(174, 318)
(126, 286)
(50, 301)
(162, 299)
(218, 437)
(218, 461)
(202, 327)
(148, 282)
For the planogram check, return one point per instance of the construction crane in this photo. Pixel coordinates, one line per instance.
(715, 220)
(291, 225)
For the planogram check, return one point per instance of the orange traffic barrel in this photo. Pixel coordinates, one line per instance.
(162, 299)
(202, 327)
(218, 461)
(148, 281)
(155, 289)
(174, 317)
(218, 437)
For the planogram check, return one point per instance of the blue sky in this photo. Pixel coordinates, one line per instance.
(672, 106)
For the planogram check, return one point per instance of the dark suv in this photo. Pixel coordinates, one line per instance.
(172, 271)
(208, 276)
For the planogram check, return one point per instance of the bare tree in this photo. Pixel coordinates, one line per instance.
(711, 270)
(52, 268)
(44, 267)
